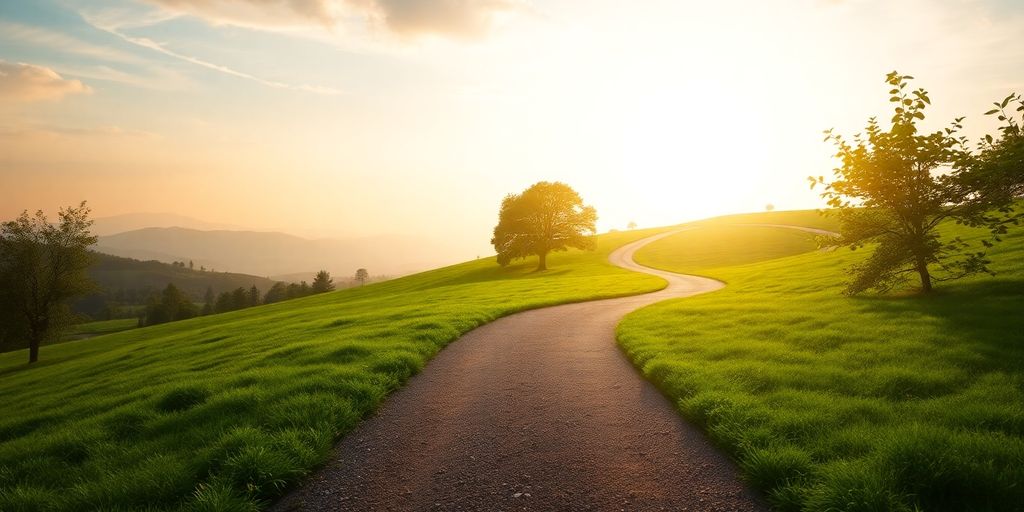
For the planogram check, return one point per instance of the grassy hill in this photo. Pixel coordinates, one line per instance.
(124, 284)
(112, 273)
(225, 412)
(711, 247)
(98, 328)
(837, 403)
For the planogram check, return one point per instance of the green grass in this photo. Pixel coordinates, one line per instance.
(711, 247)
(225, 412)
(805, 218)
(836, 403)
(97, 328)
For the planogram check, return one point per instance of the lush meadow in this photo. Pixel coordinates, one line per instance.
(836, 403)
(98, 328)
(225, 412)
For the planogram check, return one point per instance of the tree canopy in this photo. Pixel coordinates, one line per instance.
(322, 282)
(362, 275)
(171, 306)
(894, 187)
(42, 267)
(543, 218)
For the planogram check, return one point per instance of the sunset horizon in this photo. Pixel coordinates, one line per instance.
(496, 255)
(349, 119)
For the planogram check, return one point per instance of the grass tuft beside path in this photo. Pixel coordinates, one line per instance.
(837, 403)
(225, 412)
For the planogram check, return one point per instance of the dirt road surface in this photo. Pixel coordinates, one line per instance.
(535, 411)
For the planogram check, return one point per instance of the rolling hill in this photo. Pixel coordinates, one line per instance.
(113, 273)
(826, 401)
(225, 412)
(830, 402)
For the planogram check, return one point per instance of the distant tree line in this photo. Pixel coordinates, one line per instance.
(172, 305)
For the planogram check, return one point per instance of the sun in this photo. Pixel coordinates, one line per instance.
(694, 151)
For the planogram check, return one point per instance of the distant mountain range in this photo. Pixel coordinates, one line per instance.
(104, 226)
(274, 254)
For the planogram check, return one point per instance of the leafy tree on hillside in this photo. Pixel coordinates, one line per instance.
(171, 305)
(239, 298)
(895, 186)
(298, 290)
(224, 303)
(322, 282)
(42, 267)
(545, 217)
(254, 296)
(631, 226)
(362, 275)
(276, 293)
(209, 301)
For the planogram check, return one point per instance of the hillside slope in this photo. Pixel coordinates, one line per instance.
(229, 410)
(113, 273)
(837, 403)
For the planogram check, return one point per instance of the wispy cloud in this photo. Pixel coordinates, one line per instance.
(106, 25)
(20, 82)
(459, 19)
(25, 130)
(61, 42)
(101, 62)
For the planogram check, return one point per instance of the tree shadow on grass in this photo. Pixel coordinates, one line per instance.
(988, 314)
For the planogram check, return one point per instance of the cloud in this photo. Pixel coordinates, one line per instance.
(26, 132)
(21, 82)
(451, 18)
(50, 39)
(147, 43)
(463, 18)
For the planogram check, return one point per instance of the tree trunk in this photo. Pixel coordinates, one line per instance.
(33, 349)
(542, 260)
(926, 278)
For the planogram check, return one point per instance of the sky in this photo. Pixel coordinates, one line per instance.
(347, 118)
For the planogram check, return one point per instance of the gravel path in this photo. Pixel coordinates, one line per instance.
(535, 411)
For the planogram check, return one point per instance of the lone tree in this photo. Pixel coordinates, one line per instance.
(362, 275)
(631, 226)
(42, 267)
(322, 282)
(545, 217)
(895, 186)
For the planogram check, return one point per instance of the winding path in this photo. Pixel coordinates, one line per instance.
(535, 411)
